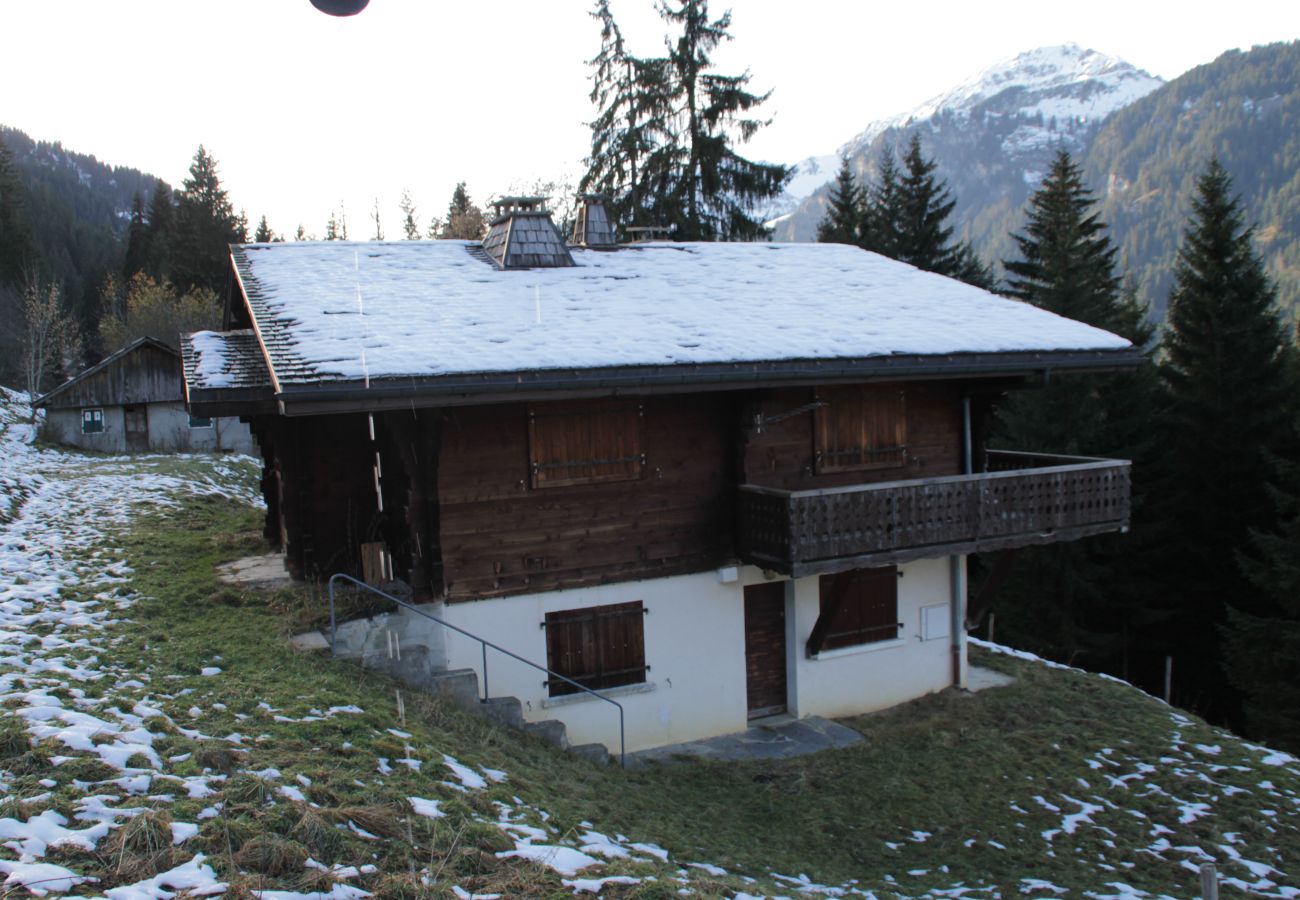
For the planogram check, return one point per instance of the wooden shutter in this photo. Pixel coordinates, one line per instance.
(586, 442)
(857, 607)
(860, 426)
(599, 647)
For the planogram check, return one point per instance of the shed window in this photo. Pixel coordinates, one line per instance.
(92, 421)
(598, 647)
(857, 607)
(860, 426)
(200, 422)
(584, 442)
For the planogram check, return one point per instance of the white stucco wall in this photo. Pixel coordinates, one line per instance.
(855, 680)
(169, 431)
(695, 647)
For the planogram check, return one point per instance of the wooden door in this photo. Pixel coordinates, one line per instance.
(765, 648)
(137, 427)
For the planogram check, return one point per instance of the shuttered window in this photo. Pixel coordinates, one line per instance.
(599, 647)
(92, 421)
(859, 426)
(857, 607)
(584, 442)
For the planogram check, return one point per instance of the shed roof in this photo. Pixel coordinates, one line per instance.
(336, 312)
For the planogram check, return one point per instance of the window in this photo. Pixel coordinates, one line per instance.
(92, 421)
(200, 422)
(599, 647)
(585, 442)
(859, 426)
(857, 607)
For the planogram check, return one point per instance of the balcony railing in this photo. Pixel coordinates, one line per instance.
(1023, 498)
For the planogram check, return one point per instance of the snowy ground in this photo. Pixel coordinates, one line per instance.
(66, 597)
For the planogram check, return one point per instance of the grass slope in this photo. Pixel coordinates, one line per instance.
(1063, 784)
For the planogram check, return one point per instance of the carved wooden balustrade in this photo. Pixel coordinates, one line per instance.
(1023, 498)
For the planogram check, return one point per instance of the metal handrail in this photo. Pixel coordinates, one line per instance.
(484, 644)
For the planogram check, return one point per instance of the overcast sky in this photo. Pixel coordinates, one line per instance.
(305, 112)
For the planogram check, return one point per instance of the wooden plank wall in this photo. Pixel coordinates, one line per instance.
(500, 536)
(781, 456)
(146, 375)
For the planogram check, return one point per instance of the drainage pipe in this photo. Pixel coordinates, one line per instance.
(957, 563)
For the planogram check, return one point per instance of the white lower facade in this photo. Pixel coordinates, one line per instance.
(695, 649)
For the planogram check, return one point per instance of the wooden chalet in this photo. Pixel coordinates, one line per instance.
(720, 481)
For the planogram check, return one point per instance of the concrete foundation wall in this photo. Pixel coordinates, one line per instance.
(169, 431)
(695, 648)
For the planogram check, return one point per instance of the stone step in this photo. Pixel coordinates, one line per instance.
(597, 753)
(552, 731)
(414, 667)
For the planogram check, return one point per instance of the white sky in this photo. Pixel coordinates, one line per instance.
(305, 112)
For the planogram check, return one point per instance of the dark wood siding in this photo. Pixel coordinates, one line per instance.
(501, 536)
(782, 455)
(147, 374)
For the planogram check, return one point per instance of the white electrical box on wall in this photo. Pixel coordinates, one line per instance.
(934, 622)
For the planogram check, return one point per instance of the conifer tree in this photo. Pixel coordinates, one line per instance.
(465, 221)
(377, 219)
(717, 188)
(206, 224)
(264, 234)
(1229, 405)
(634, 111)
(845, 210)
(1077, 601)
(1262, 648)
(332, 228)
(923, 207)
(137, 239)
(161, 231)
(882, 213)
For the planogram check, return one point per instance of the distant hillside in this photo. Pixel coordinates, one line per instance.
(993, 136)
(77, 209)
(1245, 107)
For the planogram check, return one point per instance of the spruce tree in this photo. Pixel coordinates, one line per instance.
(845, 209)
(923, 206)
(717, 188)
(1076, 601)
(1262, 648)
(161, 231)
(378, 220)
(206, 224)
(1229, 405)
(137, 239)
(882, 217)
(264, 234)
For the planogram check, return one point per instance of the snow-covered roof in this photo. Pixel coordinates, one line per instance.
(223, 360)
(330, 312)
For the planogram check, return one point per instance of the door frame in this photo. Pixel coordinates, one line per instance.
(773, 660)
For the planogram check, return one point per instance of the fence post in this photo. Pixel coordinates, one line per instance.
(1169, 677)
(1209, 882)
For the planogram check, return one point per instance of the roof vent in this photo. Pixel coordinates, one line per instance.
(591, 226)
(523, 236)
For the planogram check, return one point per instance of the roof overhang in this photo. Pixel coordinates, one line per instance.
(550, 384)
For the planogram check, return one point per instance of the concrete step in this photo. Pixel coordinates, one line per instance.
(507, 712)
(459, 686)
(414, 667)
(597, 753)
(552, 731)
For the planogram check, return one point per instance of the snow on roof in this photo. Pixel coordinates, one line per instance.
(341, 311)
(227, 359)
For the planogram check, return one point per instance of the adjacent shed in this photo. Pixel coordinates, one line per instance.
(134, 401)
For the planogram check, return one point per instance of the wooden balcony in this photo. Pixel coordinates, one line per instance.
(1023, 498)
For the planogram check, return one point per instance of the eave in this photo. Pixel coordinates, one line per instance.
(502, 387)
